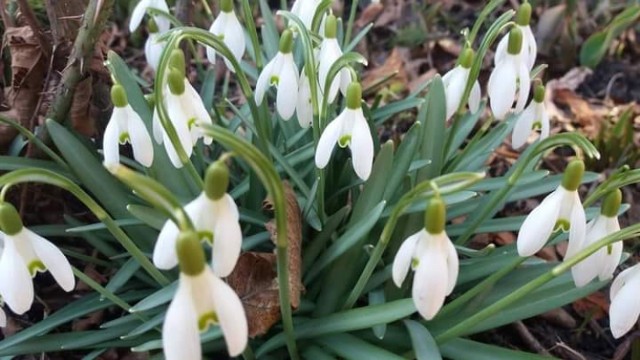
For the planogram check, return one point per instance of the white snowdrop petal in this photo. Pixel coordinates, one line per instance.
(17, 289)
(329, 54)
(180, 334)
(53, 259)
(287, 96)
(231, 316)
(234, 38)
(140, 139)
(502, 88)
(264, 80)
(522, 128)
(157, 128)
(162, 22)
(454, 89)
(164, 252)
(328, 140)
(588, 269)
(623, 278)
(531, 47)
(524, 87)
(153, 51)
(577, 223)
(404, 257)
(501, 50)
(453, 265)
(137, 14)
(544, 119)
(625, 308)
(361, 146)
(474, 97)
(111, 143)
(304, 108)
(430, 284)
(610, 261)
(538, 225)
(227, 240)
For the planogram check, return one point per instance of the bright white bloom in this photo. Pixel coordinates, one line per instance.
(305, 10)
(625, 307)
(25, 254)
(216, 220)
(455, 81)
(330, 52)
(228, 28)
(138, 12)
(304, 106)
(529, 46)
(351, 129)
(153, 50)
(534, 116)
(509, 79)
(200, 301)
(125, 126)
(562, 209)
(282, 72)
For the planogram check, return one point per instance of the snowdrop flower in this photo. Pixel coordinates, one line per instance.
(562, 209)
(141, 8)
(350, 128)
(304, 106)
(152, 47)
(305, 10)
(625, 307)
(25, 254)
(534, 116)
(330, 52)
(214, 215)
(529, 46)
(125, 126)
(455, 81)
(432, 256)
(282, 72)
(228, 28)
(603, 263)
(509, 79)
(201, 300)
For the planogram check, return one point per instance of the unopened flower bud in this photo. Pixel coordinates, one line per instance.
(611, 203)
(515, 41)
(118, 96)
(226, 6)
(354, 95)
(176, 81)
(190, 253)
(10, 221)
(466, 58)
(538, 93)
(435, 216)
(286, 42)
(573, 175)
(523, 15)
(216, 180)
(330, 27)
(176, 60)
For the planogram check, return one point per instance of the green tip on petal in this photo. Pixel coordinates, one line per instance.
(118, 96)
(226, 6)
(331, 27)
(36, 266)
(466, 58)
(216, 180)
(435, 216)
(190, 253)
(354, 95)
(523, 15)
(538, 93)
(515, 41)
(611, 203)
(10, 221)
(286, 42)
(562, 225)
(573, 175)
(176, 81)
(176, 60)
(152, 27)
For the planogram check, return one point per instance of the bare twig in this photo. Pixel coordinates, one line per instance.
(529, 338)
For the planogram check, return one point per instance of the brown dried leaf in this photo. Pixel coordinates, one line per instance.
(393, 67)
(594, 306)
(369, 14)
(80, 108)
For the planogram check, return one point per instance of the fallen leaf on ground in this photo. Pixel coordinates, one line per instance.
(594, 306)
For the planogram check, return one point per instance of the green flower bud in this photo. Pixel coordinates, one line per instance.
(118, 96)
(176, 81)
(435, 216)
(538, 93)
(152, 27)
(573, 175)
(226, 6)
(286, 42)
(190, 253)
(523, 15)
(354, 95)
(10, 221)
(611, 203)
(176, 60)
(216, 180)
(466, 58)
(515, 41)
(330, 27)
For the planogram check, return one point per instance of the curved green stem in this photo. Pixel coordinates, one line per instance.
(52, 178)
(351, 21)
(488, 9)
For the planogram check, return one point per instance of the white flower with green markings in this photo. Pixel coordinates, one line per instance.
(350, 129)
(329, 53)
(433, 258)
(533, 117)
(282, 73)
(25, 254)
(227, 27)
(529, 46)
(140, 10)
(125, 126)
(625, 307)
(562, 209)
(455, 82)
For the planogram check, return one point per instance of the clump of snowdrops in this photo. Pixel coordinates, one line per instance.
(368, 212)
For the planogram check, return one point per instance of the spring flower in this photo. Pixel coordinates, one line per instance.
(25, 254)
(330, 52)
(201, 300)
(152, 47)
(625, 307)
(509, 79)
(228, 28)
(562, 209)
(350, 128)
(529, 46)
(305, 10)
(141, 8)
(282, 72)
(125, 126)
(603, 263)
(534, 116)
(304, 106)
(455, 82)
(432, 256)
(215, 216)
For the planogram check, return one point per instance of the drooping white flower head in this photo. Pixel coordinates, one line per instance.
(305, 10)
(534, 116)
(25, 254)
(202, 299)
(562, 209)
(455, 81)
(432, 256)
(509, 80)
(228, 28)
(625, 307)
(125, 126)
(141, 8)
(152, 47)
(351, 129)
(330, 52)
(603, 263)
(529, 46)
(215, 216)
(281, 72)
